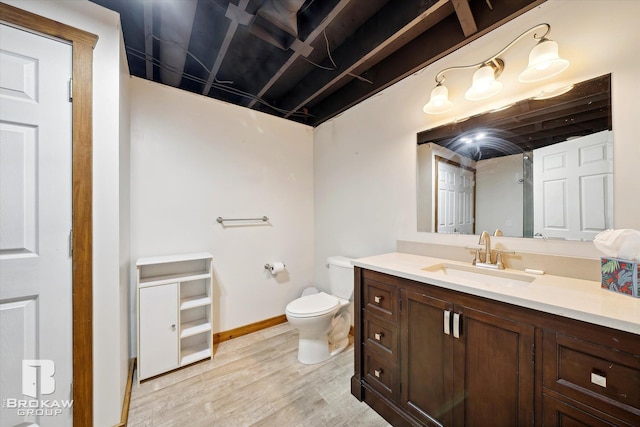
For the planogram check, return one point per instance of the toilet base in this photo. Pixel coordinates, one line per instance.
(313, 350)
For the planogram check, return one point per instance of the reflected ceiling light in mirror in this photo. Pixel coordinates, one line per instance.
(551, 93)
(544, 62)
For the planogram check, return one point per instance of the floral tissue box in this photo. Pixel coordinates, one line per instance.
(622, 276)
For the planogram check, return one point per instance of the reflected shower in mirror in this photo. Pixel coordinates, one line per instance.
(543, 167)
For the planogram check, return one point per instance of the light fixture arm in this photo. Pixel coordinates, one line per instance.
(492, 59)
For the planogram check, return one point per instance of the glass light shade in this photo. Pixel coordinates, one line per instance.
(484, 84)
(439, 101)
(544, 62)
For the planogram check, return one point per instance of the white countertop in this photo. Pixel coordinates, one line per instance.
(574, 298)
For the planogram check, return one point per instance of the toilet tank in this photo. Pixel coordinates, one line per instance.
(340, 276)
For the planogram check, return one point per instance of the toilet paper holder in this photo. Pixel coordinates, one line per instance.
(270, 266)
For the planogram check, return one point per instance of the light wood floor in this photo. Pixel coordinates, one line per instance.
(254, 380)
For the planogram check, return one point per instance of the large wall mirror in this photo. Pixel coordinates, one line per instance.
(542, 167)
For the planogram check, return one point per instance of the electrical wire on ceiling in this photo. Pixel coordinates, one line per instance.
(223, 87)
(195, 58)
(335, 67)
(307, 7)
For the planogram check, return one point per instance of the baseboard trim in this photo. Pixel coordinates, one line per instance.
(219, 337)
(124, 416)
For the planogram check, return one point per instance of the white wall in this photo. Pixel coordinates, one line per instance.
(109, 363)
(364, 160)
(194, 159)
(125, 214)
(499, 195)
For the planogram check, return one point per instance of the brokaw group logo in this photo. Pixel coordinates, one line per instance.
(30, 377)
(38, 381)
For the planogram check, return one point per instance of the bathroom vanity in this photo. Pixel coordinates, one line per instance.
(439, 343)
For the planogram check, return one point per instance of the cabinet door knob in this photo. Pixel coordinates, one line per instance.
(378, 336)
(378, 372)
(377, 299)
(173, 327)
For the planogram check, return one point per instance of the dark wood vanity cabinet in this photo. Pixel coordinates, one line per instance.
(462, 366)
(591, 380)
(429, 356)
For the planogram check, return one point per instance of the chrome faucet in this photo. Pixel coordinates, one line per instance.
(486, 241)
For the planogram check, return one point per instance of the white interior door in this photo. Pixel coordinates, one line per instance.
(35, 222)
(573, 187)
(456, 201)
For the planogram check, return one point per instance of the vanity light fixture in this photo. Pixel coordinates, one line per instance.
(544, 62)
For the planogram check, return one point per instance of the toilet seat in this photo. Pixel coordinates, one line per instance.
(312, 305)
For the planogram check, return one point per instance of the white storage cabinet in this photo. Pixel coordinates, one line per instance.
(174, 312)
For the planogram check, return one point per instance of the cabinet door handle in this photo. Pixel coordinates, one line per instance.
(378, 372)
(378, 336)
(447, 322)
(377, 299)
(456, 325)
(173, 327)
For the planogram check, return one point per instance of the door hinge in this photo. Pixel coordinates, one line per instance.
(533, 353)
(71, 242)
(70, 90)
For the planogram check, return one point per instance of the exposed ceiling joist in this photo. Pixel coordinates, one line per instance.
(465, 17)
(305, 60)
(148, 38)
(304, 49)
(371, 40)
(235, 14)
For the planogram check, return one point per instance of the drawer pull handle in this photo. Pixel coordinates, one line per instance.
(447, 322)
(598, 378)
(378, 372)
(378, 336)
(456, 325)
(377, 299)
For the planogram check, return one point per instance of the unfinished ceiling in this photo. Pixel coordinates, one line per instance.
(303, 60)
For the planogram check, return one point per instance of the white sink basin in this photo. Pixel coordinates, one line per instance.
(480, 275)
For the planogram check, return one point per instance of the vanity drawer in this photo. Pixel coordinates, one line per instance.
(380, 298)
(600, 376)
(380, 336)
(381, 373)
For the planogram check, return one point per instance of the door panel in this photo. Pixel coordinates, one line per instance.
(494, 371)
(456, 198)
(427, 353)
(158, 329)
(573, 187)
(35, 224)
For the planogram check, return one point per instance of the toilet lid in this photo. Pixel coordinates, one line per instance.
(312, 305)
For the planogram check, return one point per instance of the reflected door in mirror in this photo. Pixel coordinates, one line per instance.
(573, 187)
(456, 198)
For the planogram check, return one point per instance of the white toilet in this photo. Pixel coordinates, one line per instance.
(323, 320)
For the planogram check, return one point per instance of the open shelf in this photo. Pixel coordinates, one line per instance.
(194, 353)
(194, 301)
(195, 327)
(172, 278)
